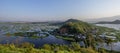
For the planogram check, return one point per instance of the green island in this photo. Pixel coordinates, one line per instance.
(76, 30)
(90, 34)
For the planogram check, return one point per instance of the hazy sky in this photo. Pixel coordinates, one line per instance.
(44, 10)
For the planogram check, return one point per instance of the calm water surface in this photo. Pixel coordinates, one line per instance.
(115, 46)
(115, 26)
(37, 42)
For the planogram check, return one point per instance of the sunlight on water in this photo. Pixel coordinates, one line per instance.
(115, 26)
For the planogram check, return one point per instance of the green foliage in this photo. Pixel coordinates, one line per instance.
(27, 34)
(77, 27)
(102, 50)
(19, 34)
(118, 35)
(73, 48)
(8, 34)
(26, 45)
(47, 47)
(87, 50)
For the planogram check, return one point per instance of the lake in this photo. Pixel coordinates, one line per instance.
(38, 42)
(116, 46)
(12, 28)
(115, 26)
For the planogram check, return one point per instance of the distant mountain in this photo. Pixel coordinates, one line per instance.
(113, 22)
(106, 19)
(72, 20)
(69, 20)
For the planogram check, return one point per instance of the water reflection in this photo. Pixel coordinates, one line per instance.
(37, 42)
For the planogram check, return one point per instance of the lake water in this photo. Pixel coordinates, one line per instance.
(12, 28)
(115, 46)
(115, 26)
(37, 42)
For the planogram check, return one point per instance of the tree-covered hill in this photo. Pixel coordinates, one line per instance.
(67, 21)
(74, 26)
(90, 34)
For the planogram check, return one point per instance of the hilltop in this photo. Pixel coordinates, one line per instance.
(77, 26)
(67, 21)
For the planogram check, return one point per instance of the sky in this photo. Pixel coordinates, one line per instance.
(51, 10)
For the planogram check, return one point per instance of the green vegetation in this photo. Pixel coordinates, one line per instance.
(35, 37)
(29, 48)
(77, 27)
(118, 35)
(89, 31)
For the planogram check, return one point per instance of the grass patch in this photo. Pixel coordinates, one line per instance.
(27, 34)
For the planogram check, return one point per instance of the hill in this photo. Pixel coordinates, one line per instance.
(69, 20)
(74, 26)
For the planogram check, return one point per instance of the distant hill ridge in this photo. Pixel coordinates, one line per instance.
(72, 20)
(67, 21)
(113, 22)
